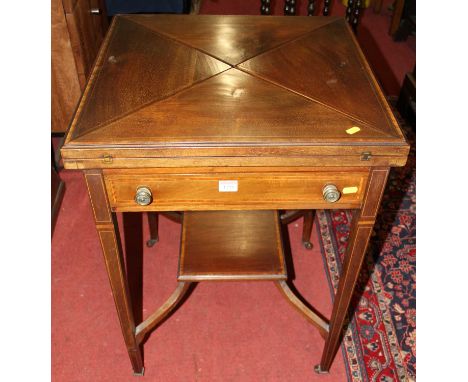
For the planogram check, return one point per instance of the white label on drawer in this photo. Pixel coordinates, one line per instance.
(227, 186)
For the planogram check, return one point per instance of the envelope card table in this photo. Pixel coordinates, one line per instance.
(230, 119)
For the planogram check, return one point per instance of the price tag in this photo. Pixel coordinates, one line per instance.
(227, 186)
(350, 190)
(353, 130)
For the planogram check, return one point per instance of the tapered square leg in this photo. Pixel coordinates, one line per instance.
(362, 225)
(307, 228)
(153, 222)
(106, 225)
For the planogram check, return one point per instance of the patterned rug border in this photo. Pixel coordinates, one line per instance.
(352, 345)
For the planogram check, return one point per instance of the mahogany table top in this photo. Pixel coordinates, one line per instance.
(166, 86)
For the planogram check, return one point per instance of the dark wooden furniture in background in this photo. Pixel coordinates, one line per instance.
(406, 104)
(353, 9)
(57, 190)
(78, 29)
(285, 114)
(403, 21)
(377, 6)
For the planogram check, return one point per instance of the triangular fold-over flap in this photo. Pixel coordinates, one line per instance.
(325, 66)
(139, 67)
(230, 38)
(233, 107)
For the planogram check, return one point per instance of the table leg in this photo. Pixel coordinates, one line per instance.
(132, 223)
(106, 225)
(362, 225)
(307, 228)
(153, 222)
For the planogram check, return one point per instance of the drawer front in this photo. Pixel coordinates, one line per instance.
(234, 191)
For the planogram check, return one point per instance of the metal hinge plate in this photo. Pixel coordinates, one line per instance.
(106, 158)
(366, 155)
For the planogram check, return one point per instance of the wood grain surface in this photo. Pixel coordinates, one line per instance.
(176, 84)
(231, 245)
(182, 192)
(231, 39)
(76, 38)
(66, 90)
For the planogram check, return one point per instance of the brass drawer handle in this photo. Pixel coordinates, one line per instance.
(143, 196)
(331, 194)
(95, 11)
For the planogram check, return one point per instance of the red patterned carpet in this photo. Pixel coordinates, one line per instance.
(380, 342)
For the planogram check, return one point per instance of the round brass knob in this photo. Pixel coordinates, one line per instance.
(143, 196)
(331, 194)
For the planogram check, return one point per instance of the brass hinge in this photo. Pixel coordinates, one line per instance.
(107, 158)
(366, 155)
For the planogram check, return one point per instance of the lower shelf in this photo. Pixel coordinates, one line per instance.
(231, 245)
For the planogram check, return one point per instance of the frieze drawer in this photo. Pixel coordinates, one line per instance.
(231, 191)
